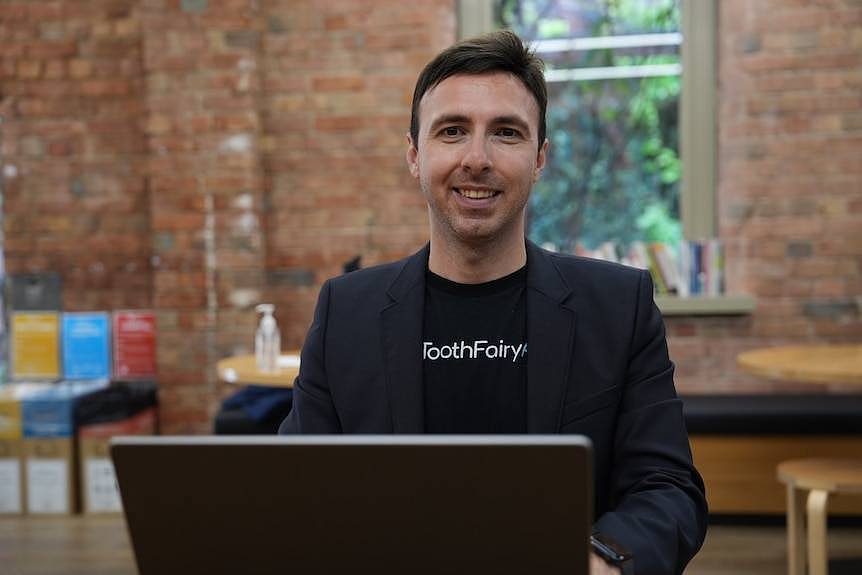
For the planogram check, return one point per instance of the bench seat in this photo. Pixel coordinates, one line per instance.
(738, 441)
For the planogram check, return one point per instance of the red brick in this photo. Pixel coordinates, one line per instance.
(338, 84)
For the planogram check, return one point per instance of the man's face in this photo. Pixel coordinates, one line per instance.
(477, 157)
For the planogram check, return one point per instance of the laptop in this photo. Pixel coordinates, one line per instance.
(389, 505)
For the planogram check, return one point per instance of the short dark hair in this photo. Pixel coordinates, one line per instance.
(501, 51)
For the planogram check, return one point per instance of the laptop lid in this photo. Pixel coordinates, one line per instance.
(351, 504)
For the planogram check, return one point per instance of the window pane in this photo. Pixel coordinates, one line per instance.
(613, 78)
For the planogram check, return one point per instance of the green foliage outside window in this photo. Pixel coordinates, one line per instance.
(613, 171)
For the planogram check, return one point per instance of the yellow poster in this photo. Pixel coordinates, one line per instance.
(35, 345)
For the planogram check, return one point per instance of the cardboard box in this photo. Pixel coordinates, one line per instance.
(11, 474)
(12, 485)
(99, 492)
(11, 477)
(49, 446)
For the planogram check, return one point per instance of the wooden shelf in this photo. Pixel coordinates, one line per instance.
(705, 305)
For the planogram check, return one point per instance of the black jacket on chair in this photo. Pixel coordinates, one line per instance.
(598, 366)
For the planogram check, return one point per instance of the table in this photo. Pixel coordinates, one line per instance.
(811, 481)
(242, 369)
(807, 363)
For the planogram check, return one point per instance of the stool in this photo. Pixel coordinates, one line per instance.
(809, 484)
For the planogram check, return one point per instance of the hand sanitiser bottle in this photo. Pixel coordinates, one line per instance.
(267, 340)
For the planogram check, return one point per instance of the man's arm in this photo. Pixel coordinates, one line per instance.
(657, 496)
(313, 410)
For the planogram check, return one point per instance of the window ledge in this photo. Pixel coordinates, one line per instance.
(705, 305)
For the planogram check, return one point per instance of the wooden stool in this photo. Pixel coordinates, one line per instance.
(809, 484)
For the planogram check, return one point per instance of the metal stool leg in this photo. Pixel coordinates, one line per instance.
(795, 530)
(817, 532)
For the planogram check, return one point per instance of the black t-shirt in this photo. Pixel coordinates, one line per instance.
(474, 355)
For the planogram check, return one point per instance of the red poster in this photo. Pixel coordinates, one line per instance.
(134, 344)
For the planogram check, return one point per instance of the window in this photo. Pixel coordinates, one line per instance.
(630, 116)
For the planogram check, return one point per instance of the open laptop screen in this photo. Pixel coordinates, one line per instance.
(357, 504)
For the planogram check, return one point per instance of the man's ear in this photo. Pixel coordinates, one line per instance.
(541, 159)
(412, 156)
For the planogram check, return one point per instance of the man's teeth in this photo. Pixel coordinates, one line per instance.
(475, 194)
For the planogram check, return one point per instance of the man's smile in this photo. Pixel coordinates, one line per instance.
(476, 193)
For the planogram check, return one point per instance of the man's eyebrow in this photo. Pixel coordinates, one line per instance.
(448, 119)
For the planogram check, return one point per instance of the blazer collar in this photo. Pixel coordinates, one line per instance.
(401, 328)
(550, 335)
(551, 324)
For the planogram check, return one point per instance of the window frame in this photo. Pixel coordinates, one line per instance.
(697, 130)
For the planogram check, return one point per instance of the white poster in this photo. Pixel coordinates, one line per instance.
(101, 485)
(10, 485)
(47, 486)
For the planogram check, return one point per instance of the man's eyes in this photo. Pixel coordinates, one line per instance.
(508, 133)
(456, 131)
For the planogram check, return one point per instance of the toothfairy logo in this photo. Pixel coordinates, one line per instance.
(479, 349)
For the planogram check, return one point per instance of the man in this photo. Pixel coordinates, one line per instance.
(438, 342)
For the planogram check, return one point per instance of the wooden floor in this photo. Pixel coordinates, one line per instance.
(100, 546)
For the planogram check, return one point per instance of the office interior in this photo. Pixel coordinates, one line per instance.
(169, 165)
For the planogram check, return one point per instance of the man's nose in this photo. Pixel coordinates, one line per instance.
(477, 157)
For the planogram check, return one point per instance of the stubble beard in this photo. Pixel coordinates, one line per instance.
(462, 233)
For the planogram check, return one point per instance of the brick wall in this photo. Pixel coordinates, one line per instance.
(201, 62)
(200, 156)
(790, 186)
(338, 82)
(75, 198)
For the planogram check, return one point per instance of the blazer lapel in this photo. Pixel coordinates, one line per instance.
(551, 328)
(401, 328)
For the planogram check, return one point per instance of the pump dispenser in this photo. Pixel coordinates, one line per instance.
(267, 340)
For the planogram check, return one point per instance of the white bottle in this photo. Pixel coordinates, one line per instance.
(267, 340)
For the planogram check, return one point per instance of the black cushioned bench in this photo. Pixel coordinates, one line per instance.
(773, 414)
(738, 440)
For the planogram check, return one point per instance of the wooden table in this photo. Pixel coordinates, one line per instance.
(811, 481)
(808, 363)
(242, 369)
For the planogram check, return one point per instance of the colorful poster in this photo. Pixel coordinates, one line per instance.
(35, 345)
(86, 346)
(134, 344)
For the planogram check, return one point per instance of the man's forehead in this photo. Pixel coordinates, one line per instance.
(468, 94)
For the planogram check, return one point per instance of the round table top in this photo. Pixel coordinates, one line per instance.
(807, 363)
(836, 475)
(242, 369)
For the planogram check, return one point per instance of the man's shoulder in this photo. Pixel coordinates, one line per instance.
(373, 275)
(379, 278)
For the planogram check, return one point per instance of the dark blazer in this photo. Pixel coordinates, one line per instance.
(598, 365)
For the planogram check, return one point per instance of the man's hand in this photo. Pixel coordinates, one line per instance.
(599, 566)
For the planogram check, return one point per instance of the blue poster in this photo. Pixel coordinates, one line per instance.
(86, 345)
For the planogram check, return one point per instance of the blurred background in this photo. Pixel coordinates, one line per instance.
(167, 165)
(197, 157)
